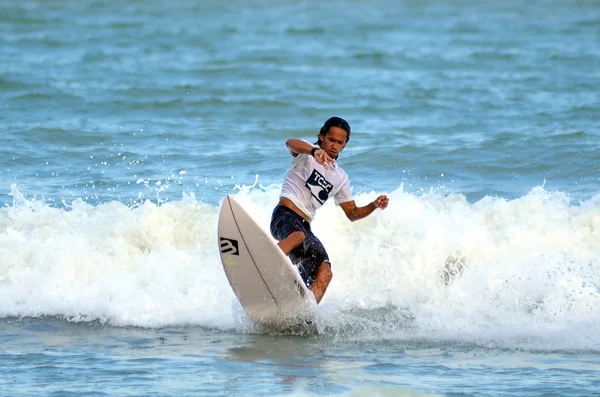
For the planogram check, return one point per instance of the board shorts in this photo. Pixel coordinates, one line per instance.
(311, 253)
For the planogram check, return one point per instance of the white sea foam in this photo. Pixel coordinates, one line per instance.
(430, 266)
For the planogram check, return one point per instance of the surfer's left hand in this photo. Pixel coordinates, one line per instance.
(381, 201)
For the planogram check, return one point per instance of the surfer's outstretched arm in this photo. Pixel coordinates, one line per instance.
(355, 213)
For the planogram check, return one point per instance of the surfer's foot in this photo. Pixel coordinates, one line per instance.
(322, 280)
(291, 242)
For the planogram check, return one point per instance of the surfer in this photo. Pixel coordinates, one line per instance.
(314, 177)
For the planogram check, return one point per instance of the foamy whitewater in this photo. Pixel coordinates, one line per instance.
(515, 273)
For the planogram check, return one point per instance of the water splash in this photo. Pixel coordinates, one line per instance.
(430, 266)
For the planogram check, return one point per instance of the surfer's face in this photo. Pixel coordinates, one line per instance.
(334, 141)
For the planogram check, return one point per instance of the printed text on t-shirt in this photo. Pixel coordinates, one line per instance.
(319, 186)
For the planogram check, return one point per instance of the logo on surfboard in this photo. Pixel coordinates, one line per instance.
(319, 186)
(229, 246)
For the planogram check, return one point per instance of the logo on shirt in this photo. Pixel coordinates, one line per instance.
(319, 186)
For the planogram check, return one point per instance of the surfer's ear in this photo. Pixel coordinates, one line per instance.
(322, 133)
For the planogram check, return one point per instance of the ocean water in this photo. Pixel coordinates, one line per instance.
(124, 124)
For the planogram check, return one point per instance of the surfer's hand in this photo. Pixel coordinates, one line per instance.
(381, 202)
(323, 158)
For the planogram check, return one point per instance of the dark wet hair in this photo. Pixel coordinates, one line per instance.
(334, 122)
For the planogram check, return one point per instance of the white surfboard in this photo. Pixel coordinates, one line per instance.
(265, 281)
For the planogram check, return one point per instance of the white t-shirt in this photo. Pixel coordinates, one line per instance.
(308, 184)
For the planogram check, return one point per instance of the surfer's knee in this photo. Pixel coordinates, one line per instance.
(291, 242)
(297, 238)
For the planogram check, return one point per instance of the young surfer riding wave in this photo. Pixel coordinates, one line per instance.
(314, 177)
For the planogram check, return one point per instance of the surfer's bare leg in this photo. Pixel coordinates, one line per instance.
(322, 280)
(291, 242)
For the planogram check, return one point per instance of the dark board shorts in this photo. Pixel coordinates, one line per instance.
(311, 253)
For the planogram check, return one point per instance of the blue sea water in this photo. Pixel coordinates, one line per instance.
(124, 125)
